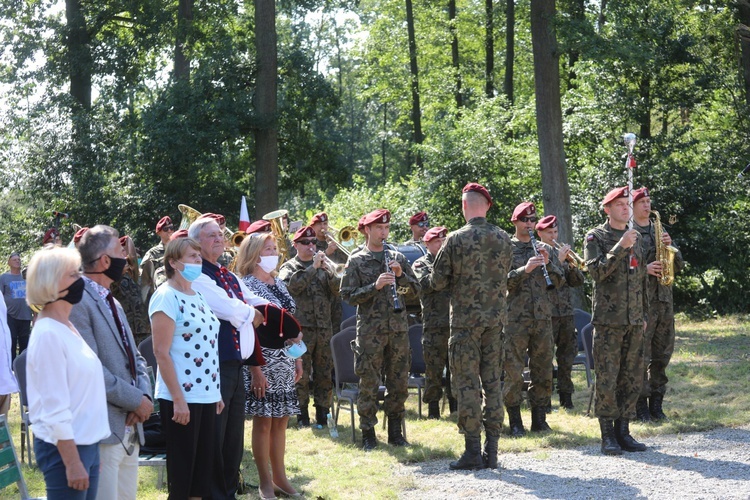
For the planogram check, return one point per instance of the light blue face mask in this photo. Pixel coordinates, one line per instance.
(191, 271)
(294, 349)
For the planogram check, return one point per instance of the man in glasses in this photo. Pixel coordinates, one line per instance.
(154, 258)
(314, 285)
(529, 328)
(419, 224)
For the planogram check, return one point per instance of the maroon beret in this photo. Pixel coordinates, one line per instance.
(182, 233)
(435, 232)
(79, 234)
(417, 218)
(304, 232)
(123, 240)
(220, 220)
(259, 226)
(546, 222)
(164, 221)
(380, 216)
(640, 193)
(320, 217)
(525, 209)
(478, 188)
(50, 235)
(361, 225)
(621, 192)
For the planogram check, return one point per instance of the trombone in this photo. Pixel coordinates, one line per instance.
(345, 238)
(573, 258)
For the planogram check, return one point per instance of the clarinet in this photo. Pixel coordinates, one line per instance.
(550, 286)
(397, 308)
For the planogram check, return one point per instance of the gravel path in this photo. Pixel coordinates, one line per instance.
(713, 464)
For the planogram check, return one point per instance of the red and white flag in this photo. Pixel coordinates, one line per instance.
(244, 217)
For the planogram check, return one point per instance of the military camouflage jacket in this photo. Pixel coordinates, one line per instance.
(435, 305)
(528, 297)
(620, 297)
(560, 296)
(656, 291)
(339, 257)
(152, 260)
(473, 266)
(312, 289)
(375, 307)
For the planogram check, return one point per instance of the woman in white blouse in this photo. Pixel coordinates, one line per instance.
(65, 381)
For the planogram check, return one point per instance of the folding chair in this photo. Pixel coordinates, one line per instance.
(19, 368)
(581, 318)
(418, 367)
(350, 321)
(146, 459)
(10, 469)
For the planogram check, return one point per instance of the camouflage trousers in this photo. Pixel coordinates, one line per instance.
(435, 348)
(476, 358)
(618, 364)
(375, 355)
(658, 346)
(566, 343)
(337, 312)
(533, 338)
(318, 362)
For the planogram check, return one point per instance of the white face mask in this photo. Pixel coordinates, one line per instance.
(269, 262)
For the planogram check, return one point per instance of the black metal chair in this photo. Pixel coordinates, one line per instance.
(19, 368)
(417, 370)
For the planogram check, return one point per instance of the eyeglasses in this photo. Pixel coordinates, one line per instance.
(167, 228)
(528, 219)
(306, 242)
(424, 223)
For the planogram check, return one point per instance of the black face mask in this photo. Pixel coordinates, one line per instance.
(75, 292)
(116, 267)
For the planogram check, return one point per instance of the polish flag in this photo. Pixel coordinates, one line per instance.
(244, 217)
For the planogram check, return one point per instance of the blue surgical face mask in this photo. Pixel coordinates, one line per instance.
(295, 349)
(191, 271)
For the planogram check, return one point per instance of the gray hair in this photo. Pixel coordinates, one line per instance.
(196, 227)
(94, 243)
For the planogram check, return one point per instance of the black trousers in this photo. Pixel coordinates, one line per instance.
(19, 335)
(229, 432)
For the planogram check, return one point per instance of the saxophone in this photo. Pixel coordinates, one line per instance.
(664, 253)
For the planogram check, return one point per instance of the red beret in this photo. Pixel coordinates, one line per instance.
(435, 232)
(621, 192)
(164, 221)
(304, 232)
(640, 193)
(525, 209)
(360, 225)
(220, 220)
(321, 217)
(123, 240)
(182, 233)
(50, 235)
(259, 226)
(380, 216)
(79, 234)
(546, 222)
(478, 188)
(417, 218)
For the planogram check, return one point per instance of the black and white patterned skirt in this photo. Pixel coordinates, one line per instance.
(281, 397)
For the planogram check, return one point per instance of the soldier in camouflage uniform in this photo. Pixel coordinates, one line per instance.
(436, 327)
(473, 266)
(419, 224)
(127, 291)
(528, 332)
(314, 286)
(615, 260)
(658, 340)
(382, 343)
(154, 259)
(563, 326)
(319, 223)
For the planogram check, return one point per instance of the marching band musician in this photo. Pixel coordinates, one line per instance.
(314, 286)
(259, 226)
(563, 326)
(529, 328)
(419, 224)
(319, 224)
(658, 340)
(382, 342)
(154, 258)
(619, 308)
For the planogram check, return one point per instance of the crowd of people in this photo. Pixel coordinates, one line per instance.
(253, 343)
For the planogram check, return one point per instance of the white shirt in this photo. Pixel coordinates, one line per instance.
(8, 384)
(65, 385)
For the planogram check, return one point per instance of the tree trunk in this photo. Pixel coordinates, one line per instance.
(644, 117)
(555, 189)
(489, 49)
(743, 37)
(454, 52)
(266, 145)
(510, 50)
(79, 55)
(602, 16)
(184, 21)
(416, 112)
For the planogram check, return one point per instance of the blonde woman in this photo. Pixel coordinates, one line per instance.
(67, 400)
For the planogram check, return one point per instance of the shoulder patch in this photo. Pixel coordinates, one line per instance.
(590, 237)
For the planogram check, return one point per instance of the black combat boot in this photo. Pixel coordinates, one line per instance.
(539, 419)
(369, 441)
(434, 410)
(641, 410)
(654, 407)
(566, 400)
(321, 416)
(472, 457)
(490, 452)
(515, 423)
(624, 439)
(303, 419)
(453, 405)
(395, 437)
(609, 442)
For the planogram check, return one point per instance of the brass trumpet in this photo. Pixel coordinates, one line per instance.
(337, 270)
(573, 258)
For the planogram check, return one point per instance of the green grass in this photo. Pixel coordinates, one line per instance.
(709, 387)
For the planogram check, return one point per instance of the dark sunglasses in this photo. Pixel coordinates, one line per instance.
(306, 242)
(167, 228)
(424, 223)
(528, 219)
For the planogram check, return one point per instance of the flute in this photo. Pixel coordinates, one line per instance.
(397, 308)
(547, 279)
